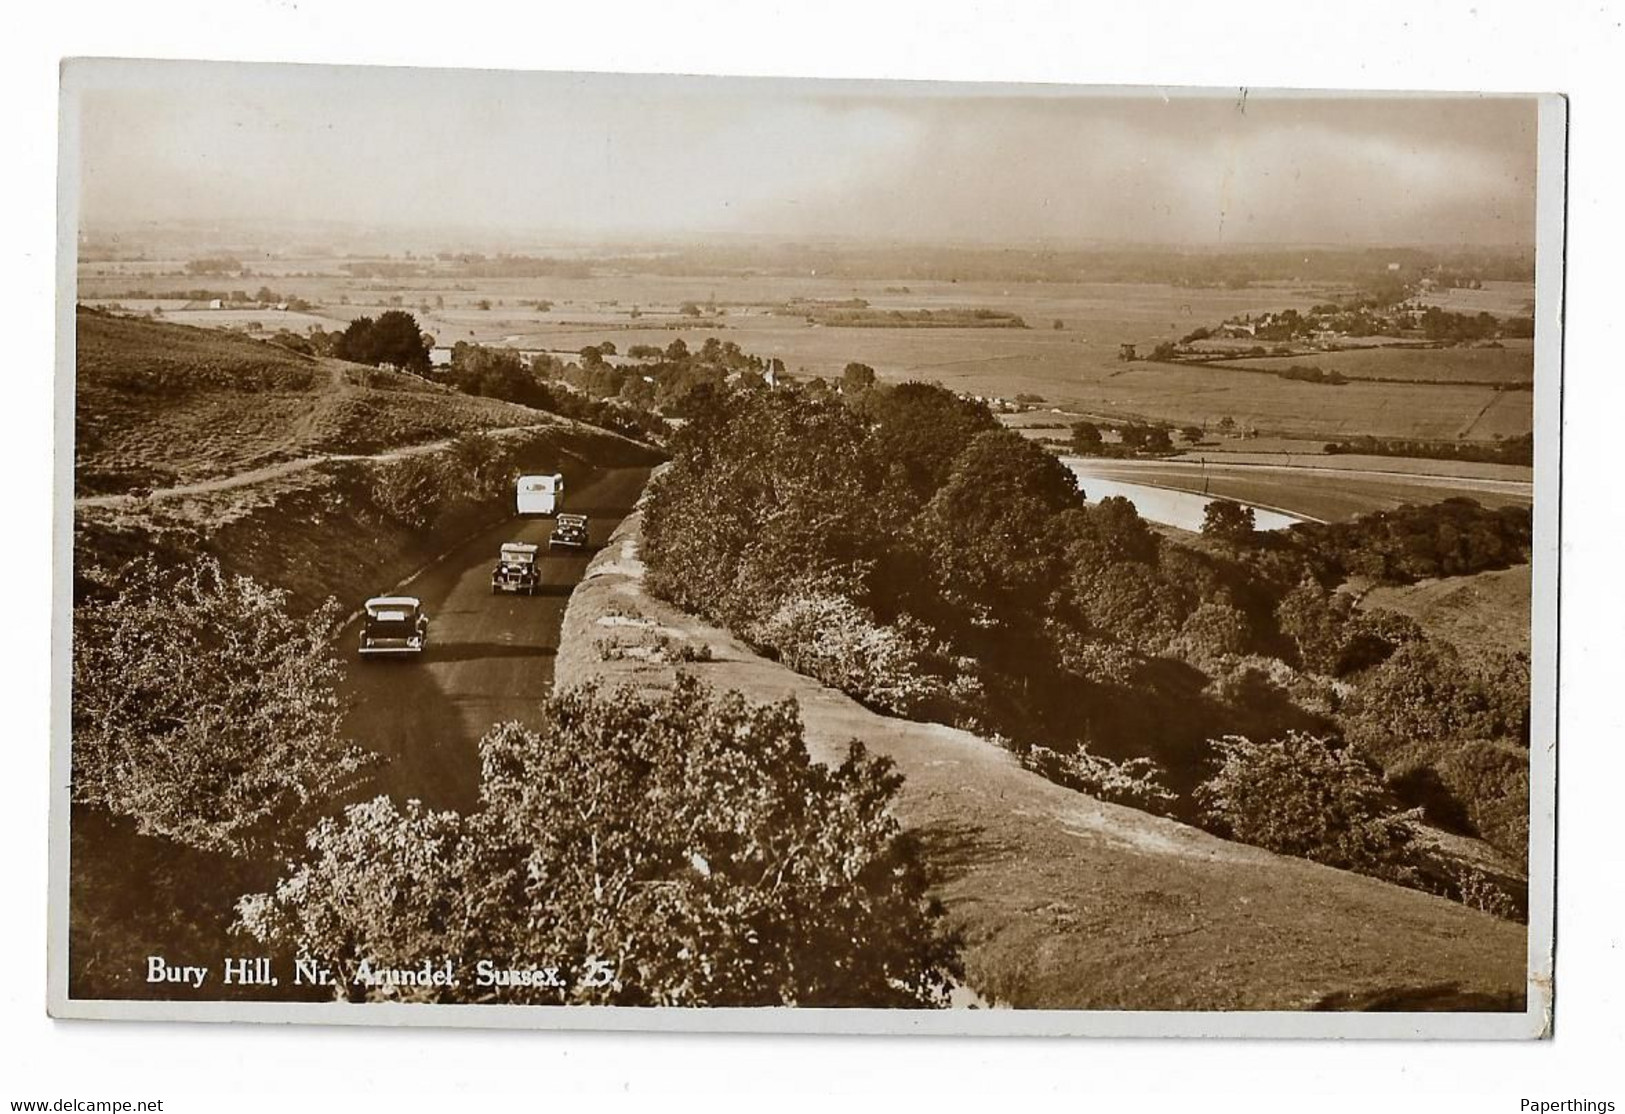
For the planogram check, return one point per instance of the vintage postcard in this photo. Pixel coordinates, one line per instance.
(610, 551)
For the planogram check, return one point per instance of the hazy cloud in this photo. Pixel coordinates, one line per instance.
(594, 155)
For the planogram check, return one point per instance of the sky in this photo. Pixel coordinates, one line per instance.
(603, 157)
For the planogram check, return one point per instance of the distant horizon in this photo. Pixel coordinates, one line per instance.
(631, 159)
(451, 239)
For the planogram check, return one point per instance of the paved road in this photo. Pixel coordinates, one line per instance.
(490, 658)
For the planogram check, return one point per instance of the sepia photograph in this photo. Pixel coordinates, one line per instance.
(581, 550)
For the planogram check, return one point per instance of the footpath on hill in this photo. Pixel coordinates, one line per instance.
(1063, 901)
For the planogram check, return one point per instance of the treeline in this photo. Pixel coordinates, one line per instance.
(1456, 537)
(505, 374)
(1511, 450)
(899, 545)
(1354, 267)
(1133, 439)
(264, 296)
(913, 318)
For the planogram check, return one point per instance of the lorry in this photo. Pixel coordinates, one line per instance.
(540, 494)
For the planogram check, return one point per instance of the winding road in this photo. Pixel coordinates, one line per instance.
(489, 658)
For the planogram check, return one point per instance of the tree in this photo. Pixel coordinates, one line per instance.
(398, 340)
(1191, 433)
(204, 711)
(1156, 440)
(394, 339)
(1086, 438)
(762, 483)
(1227, 519)
(857, 377)
(356, 342)
(918, 429)
(988, 536)
(680, 850)
(1300, 795)
(677, 350)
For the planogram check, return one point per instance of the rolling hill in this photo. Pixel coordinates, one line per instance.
(157, 405)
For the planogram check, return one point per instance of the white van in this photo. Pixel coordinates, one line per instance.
(541, 494)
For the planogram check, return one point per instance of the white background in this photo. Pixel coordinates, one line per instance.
(1574, 48)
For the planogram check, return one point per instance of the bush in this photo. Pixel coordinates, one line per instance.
(204, 711)
(1491, 780)
(1136, 783)
(1212, 632)
(413, 490)
(1477, 891)
(1426, 692)
(681, 850)
(1300, 795)
(833, 639)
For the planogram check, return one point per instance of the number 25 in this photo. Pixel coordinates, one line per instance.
(598, 973)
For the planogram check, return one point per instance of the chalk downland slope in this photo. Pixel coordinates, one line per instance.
(157, 405)
(281, 465)
(1064, 901)
(1489, 611)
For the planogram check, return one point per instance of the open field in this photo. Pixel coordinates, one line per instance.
(161, 404)
(1512, 363)
(1075, 366)
(1504, 299)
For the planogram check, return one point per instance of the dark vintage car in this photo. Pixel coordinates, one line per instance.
(394, 625)
(516, 569)
(570, 531)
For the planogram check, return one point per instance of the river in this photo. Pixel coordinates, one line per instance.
(1171, 507)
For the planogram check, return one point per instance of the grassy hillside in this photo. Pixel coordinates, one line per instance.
(1489, 611)
(159, 404)
(1064, 901)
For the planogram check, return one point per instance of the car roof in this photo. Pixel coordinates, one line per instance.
(393, 602)
(520, 547)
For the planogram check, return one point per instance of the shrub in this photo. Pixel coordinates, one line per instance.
(1477, 891)
(1212, 632)
(1136, 782)
(204, 711)
(1299, 795)
(833, 639)
(1492, 782)
(679, 850)
(1425, 691)
(413, 490)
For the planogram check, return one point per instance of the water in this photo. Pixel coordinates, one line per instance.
(1182, 509)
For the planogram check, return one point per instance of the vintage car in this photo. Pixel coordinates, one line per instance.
(570, 531)
(394, 625)
(516, 569)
